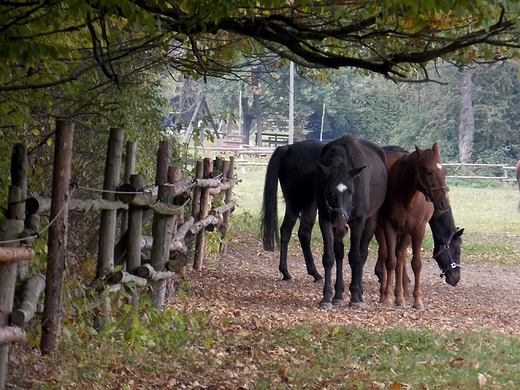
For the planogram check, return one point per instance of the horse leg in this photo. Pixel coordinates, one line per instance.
(307, 219)
(289, 220)
(381, 261)
(417, 267)
(404, 242)
(328, 262)
(406, 278)
(356, 265)
(390, 265)
(339, 287)
(366, 236)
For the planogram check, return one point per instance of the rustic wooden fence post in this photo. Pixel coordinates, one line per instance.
(162, 224)
(107, 229)
(10, 229)
(163, 162)
(19, 166)
(131, 150)
(135, 227)
(195, 201)
(205, 206)
(105, 263)
(162, 238)
(57, 241)
(230, 174)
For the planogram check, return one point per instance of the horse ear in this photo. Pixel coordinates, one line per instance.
(418, 150)
(459, 233)
(355, 172)
(325, 171)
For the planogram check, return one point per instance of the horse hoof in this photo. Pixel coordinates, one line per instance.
(326, 305)
(318, 279)
(419, 308)
(358, 305)
(288, 279)
(399, 304)
(339, 302)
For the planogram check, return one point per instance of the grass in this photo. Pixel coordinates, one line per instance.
(146, 348)
(352, 358)
(298, 357)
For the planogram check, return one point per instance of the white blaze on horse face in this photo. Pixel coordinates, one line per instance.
(341, 187)
(439, 165)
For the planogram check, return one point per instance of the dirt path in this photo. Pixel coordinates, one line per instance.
(246, 285)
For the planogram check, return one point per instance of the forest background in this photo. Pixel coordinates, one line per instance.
(377, 109)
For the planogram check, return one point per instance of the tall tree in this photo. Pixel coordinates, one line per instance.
(467, 118)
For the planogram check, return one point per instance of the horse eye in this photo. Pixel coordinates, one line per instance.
(430, 173)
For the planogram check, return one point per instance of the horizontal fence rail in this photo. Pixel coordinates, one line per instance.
(500, 172)
(248, 156)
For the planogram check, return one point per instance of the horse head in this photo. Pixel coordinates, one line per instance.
(431, 178)
(337, 183)
(447, 254)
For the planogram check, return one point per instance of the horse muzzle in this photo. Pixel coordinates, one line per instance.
(452, 276)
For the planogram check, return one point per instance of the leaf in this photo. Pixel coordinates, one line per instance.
(207, 342)
(335, 332)
(481, 380)
(395, 386)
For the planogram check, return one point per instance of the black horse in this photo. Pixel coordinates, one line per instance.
(446, 245)
(349, 187)
(292, 165)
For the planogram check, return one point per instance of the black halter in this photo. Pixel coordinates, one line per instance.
(427, 190)
(446, 248)
(340, 210)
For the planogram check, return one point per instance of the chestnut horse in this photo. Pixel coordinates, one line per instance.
(349, 187)
(416, 189)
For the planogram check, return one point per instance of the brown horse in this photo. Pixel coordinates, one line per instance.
(416, 188)
(517, 171)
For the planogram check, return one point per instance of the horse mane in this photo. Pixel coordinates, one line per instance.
(354, 155)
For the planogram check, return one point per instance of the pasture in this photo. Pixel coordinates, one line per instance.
(237, 325)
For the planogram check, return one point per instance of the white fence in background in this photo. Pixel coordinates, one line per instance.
(246, 156)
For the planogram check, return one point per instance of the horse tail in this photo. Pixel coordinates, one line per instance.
(269, 212)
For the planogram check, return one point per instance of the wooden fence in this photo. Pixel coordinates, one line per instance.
(121, 262)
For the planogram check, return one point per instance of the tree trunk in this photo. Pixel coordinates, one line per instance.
(467, 119)
(52, 315)
(256, 104)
